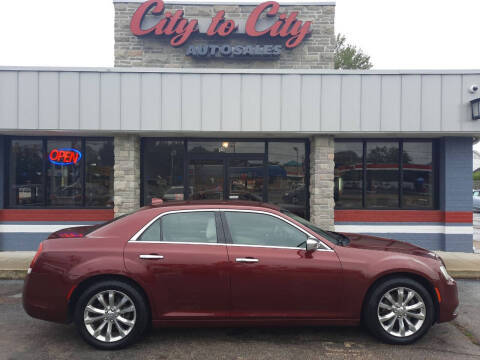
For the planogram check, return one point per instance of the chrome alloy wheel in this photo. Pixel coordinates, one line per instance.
(401, 312)
(109, 316)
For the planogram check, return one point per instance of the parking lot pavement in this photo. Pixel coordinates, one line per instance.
(25, 338)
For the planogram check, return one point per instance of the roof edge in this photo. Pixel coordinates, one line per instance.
(239, 71)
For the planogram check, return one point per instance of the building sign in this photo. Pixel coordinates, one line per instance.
(64, 156)
(264, 21)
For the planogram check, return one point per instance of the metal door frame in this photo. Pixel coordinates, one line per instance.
(225, 159)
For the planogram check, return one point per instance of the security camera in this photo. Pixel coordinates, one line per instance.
(473, 89)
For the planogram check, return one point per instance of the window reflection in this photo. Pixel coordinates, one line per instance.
(245, 179)
(64, 183)
(286, 174)
(99, 173)
(73, 168)
(227, 147)
(205, 178)
(383, 168)
(26, 173)
(382, 175)
(348, 174)
(264, 230)
(163, 170)
(417, 175)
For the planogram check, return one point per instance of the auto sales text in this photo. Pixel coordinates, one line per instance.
(234, 51)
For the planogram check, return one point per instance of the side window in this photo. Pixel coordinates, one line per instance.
(259, 229)
(196, 227)
(152, 233)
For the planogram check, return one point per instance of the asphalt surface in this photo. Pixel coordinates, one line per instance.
(22, 337)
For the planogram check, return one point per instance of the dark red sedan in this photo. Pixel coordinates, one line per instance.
(232, 263)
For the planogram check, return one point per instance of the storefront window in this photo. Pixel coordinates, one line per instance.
(61, 172)
(396, 175)
(99, 173)
(227, 147)
(382, 175)
(205, 177)
(26, 173)
(417, 175)
(226, 170)
(286, 176)
(64, 178)
(348, 174)
(245, 179)
(163, 166)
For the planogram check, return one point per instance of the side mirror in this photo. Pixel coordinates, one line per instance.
(312, 244)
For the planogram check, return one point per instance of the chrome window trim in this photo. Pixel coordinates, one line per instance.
(321, 243)
(178, 242)
(140, 232)
(276, 247)
(135, 237)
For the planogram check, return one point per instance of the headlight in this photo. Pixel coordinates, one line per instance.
(445, 274)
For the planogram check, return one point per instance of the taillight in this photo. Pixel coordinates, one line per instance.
(35, 258)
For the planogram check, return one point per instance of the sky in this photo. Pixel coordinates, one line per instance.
(406, 34)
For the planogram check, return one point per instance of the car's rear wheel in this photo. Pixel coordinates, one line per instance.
(399, 311)
(111, 314)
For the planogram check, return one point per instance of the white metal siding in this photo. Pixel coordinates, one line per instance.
(241, 101)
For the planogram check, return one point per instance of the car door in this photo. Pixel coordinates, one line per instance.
(271, 273)
(181, 258)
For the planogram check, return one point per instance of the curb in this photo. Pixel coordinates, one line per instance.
(464, 274)
(13, 274)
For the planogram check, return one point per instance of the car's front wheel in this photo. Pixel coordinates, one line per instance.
(111, 314)
(399, 311)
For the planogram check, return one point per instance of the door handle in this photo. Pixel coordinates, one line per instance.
(246, 260)
(151, 257)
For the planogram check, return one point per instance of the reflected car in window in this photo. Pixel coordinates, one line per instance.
(174, 193)
(476, 201)
(232, 263)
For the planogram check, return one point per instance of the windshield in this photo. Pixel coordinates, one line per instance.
(334, 237)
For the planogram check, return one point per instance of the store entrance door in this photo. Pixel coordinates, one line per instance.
(226, 177)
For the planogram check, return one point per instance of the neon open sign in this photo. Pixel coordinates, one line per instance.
(65, 156)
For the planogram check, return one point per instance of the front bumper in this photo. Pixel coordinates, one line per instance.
(449, 302)
(43, 299)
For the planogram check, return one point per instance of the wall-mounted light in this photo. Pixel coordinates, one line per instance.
(225, 144)
(475, 109)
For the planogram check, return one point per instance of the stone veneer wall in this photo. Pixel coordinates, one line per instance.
(126, 174)
(316, 52)
(322, 165)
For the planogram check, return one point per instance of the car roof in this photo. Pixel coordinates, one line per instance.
(197, 204)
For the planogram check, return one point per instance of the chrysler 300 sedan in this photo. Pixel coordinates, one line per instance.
(232, 264)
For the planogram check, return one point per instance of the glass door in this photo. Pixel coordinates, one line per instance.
(206, 179)
(245, 179)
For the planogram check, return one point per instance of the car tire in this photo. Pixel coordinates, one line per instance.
(127, 319)
(417, 314)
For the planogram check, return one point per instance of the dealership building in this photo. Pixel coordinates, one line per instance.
(236, 101)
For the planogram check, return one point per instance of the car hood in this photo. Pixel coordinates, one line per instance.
(377, 243)
(71, 232)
